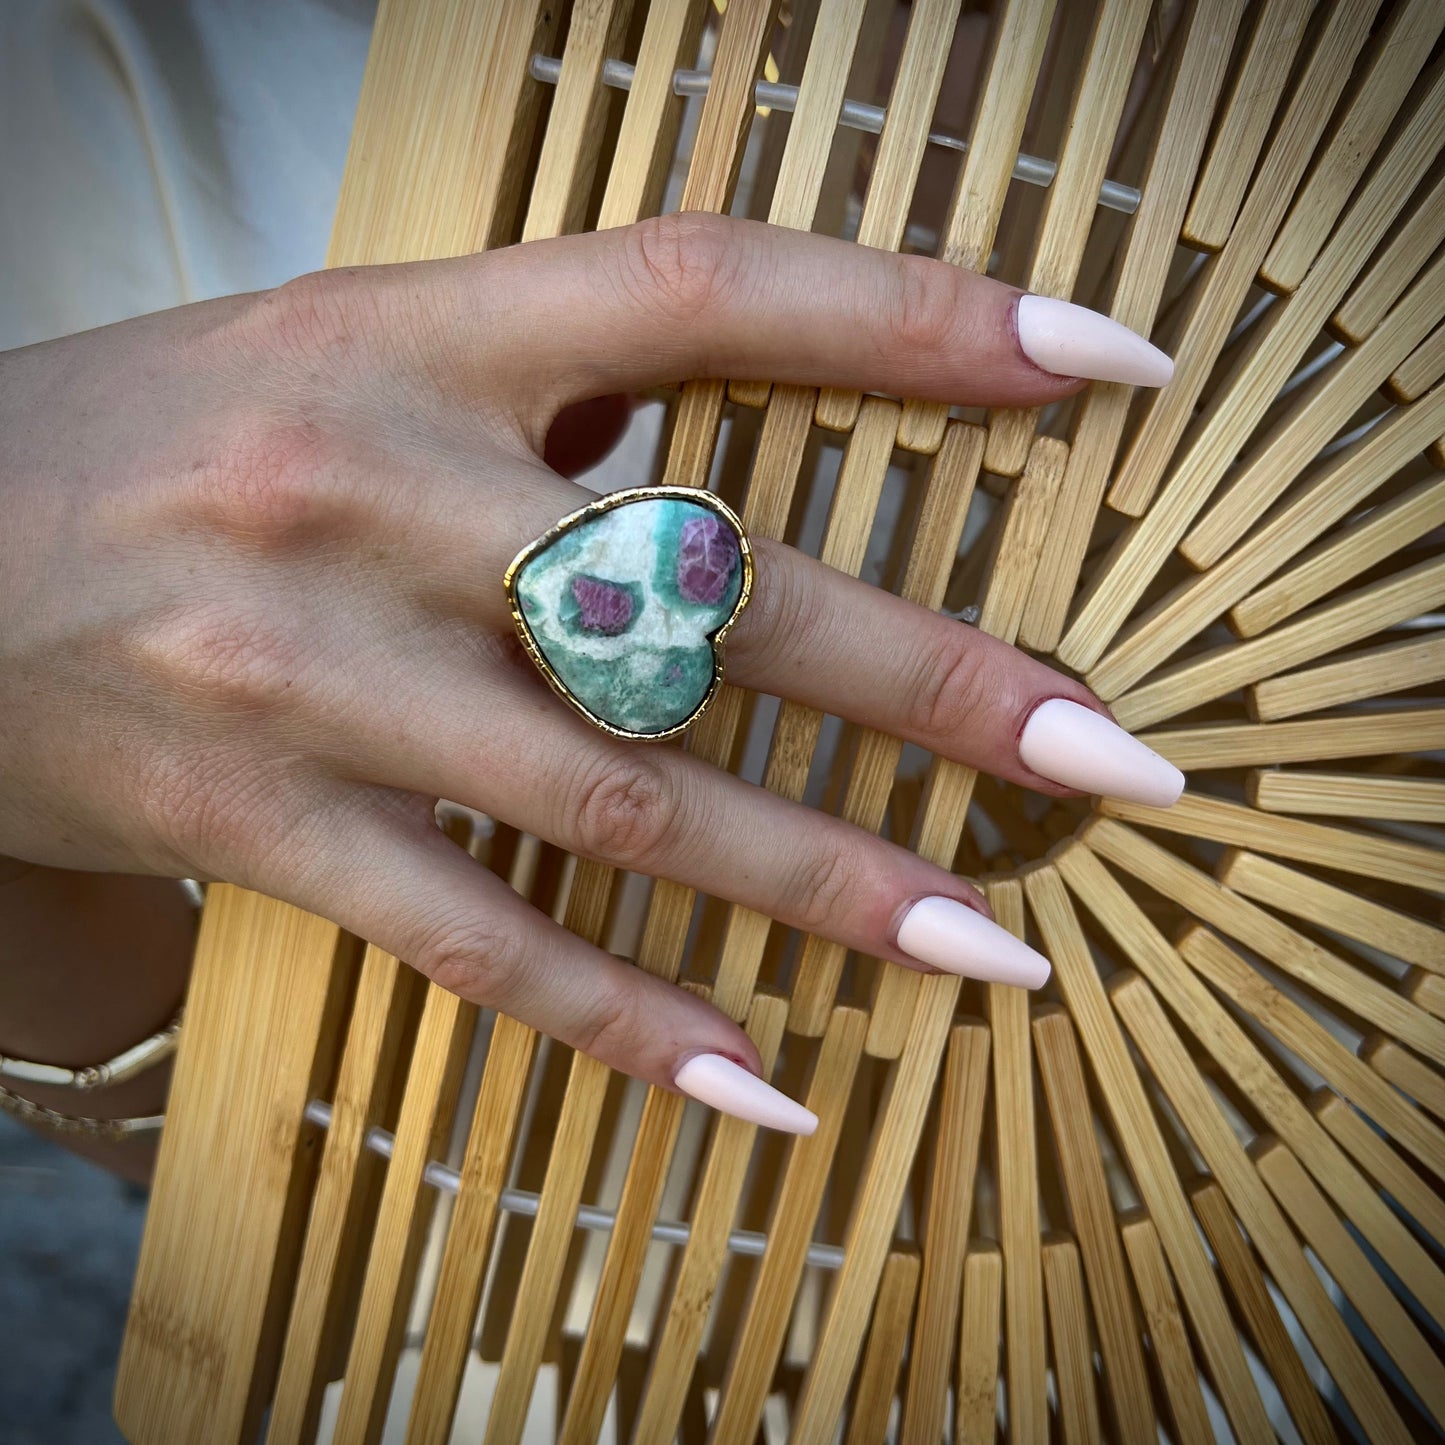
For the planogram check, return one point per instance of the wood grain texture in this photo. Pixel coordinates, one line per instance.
(1091, 1209)
(1142, 1142)
(346, 1187)
(978, 1345)
(1071, 1341)
(202, 1335)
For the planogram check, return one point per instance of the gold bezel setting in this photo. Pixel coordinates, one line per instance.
(586, 514)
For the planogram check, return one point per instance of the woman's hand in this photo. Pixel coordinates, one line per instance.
(254, 625)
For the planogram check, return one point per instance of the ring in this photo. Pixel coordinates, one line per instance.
(623, 606)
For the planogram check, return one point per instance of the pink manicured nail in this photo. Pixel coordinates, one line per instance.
(958, 939)
(1071, 340)
(717, 1081)
(1080, 748)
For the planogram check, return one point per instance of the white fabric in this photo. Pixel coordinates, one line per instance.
(154, 152)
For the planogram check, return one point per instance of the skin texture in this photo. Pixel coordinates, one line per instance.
(254, 624)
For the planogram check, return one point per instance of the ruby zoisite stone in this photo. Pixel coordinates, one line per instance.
(707, 555)
(602, 606)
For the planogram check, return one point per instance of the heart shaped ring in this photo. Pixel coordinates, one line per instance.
(624, 604)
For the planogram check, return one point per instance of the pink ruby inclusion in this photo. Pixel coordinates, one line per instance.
(601, 606)
(706, 555)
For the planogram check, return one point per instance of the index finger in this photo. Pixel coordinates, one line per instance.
(695, 295)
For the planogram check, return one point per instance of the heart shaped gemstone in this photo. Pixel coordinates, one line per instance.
(624, 603)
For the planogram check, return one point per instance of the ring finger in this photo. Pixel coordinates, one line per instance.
(657, 810)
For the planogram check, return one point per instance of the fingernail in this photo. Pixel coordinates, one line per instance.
(717, 1081)
(1080, 748)
(1071, 340)
(958, 939)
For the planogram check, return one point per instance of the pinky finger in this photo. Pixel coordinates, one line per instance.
(388, 874)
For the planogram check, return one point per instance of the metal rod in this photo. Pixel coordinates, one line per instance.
(855, 114)
(523, 1201)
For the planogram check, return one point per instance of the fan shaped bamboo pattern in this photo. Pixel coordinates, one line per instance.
(1193, 1183)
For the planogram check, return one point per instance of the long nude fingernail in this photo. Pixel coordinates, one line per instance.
(1070, 340)
(1080, 748)
(716, 1080)
(958, 939)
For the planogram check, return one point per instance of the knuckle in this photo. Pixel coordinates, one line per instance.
(626, 811)
(820, 884)
(266, 486)
(784, 612)
(946, 696)
(613, 1029)
(923, 308)
(471, 959)
(227, 663)
(314, 316)
(680, 264)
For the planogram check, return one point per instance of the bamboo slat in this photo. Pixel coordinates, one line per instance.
(1312, 1042)
(1293, 443)
(1394, 267)
(810, 138)
(1348, 795)
(412, 190)
(945, 1240)
(895, 1137)
(1353, 1134)
(1326, 905)
(1070, 1337)
(341, 1206)
(1386, 1317)
(1160, 1045)
(951, 484)
(977, 1417)
(1414, 662)
(1247, 1285)
(675, 1356)
(759, 1341)
(1103, 407)
(1420, 370)
(1410, 1075)
(574, 127)
(950, 784)
(1279, 31)
(1242, 1060)
(1236, 745)
(470, 1232)
(1139, 1134)
(878, 1376)
(1367, 854)
(900, 153)
(653, 113)
(1311, 963)
(1173, 1358)
(425, 1122)
(978, 200)
(203, 1335)
(1386, 530)
(1125, 574)
(1326, 628)
(1398, 52)
(1026, 1403)
(1342, 484)
(1059, 247)
(1096, 1229)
